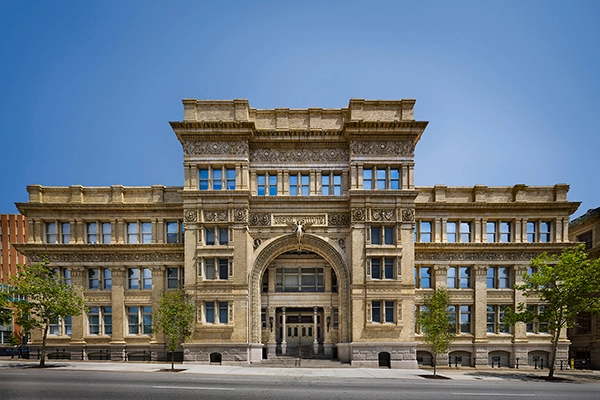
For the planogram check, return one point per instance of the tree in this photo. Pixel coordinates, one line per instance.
(435, 323)
(5, 311)
(175, 318)
(40, 297)
(567, 285)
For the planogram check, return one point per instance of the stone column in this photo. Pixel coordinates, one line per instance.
(520, 328)
(315, 327)
(119, 320)
(272, 327)
(480, 314)
(78, 328)
(284, 333)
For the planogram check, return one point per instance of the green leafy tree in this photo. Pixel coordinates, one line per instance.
(175, 318)
(39, 297)
(435, 324)
(567, 285)
(5, 311)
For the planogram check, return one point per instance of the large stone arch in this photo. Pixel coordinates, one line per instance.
(287, 243)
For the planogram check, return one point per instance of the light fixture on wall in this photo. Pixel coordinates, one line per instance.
(328, 319)
(271, 323)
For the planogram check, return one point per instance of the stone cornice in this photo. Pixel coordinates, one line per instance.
(569, 207)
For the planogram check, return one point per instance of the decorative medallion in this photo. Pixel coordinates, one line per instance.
(240, 214)
(358, 214)
(260, 219)
(383, 215)
(408, 214)
(338, 219)
(215, 216)
(191, 215)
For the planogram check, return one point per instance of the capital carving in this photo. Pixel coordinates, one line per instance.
(408, 214)
(240, 214)
(358, 214)
(191, 215)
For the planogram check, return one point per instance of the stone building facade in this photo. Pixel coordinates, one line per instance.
(299, 232)
(585, 336)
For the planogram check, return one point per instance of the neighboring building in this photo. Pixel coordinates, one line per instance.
(13, 229)
(585, 337)
(295, 232)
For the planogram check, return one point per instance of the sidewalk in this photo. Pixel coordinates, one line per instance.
(464, 374)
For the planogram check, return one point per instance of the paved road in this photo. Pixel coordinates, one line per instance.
(67, 384)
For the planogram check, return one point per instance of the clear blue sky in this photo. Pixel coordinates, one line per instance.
(511, 88)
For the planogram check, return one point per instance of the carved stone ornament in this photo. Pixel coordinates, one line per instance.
(228, 148)
(109, 257)
(338, 219)
(342, 243)
(191, 215)
(299, 155)
(358, 214)
(240, 214)
(260, 219)
(383, 215)
(476, 256)
(383, 148)
(215, 215)
(408, 214)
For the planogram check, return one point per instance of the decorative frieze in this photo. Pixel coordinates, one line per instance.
(217, 148)
(292, 219)
(338, 219)
(475, 256)
(299, 155)
(260, 219)
(383, 215)
(358, 214)
(240, 215)
(191, 215)
(408, 214)
(404, 148)
(215, 215)
(108, 257)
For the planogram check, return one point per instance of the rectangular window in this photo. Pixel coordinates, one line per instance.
(139, 278)
(60, 326)
(394, 179)
(230, 178)
(217, 179)
(175, 232)
(490, 319)
(458, 231)
(586, 238)
(494, 318)
(381, 177)
(300, 280)
(132, 233)
(537, 324)
(465, 232)
(99, 278)
(223, 312)
(216, 268)
(107, 320)
(545, 231)
(139, 320)
(584, 324)
(423, 279)
(491, 232)
(293, 185)
(139, 232)
(382, 268)
(325, 182)
(459, 277)
(146, 232)
(58, 233)
(531, 232)
(382, 235)
(146, 278)
(261, 185)
(305, 184)
(106, 279)
(465, 319)
(383, 312)
(175, 276)
(498, 278)
(272, 185)
(94, 321)
(100, 321)
(209, 312)
(91, 232)
(51, 232)
(368, 179)
(451, 231)
(203, 179)
(63, 274)
(452, 320)
(106, 232)
(65, 230)
(93, 278)
(505, 232)
(423, 232)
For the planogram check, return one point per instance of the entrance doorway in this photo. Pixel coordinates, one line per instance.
(300, 334)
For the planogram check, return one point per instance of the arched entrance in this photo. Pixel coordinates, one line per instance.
(308, 321)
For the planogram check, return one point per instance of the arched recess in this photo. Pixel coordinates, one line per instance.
(287, 243)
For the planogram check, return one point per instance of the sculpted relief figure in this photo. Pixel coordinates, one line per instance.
(299, 228)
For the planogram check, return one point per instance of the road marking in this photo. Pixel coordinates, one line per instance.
(496, 394)
(190, 388)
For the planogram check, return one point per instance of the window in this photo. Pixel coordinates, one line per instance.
(505, 232)
(491, 233)
(539, 231)
(586, 238)
(175, 277)
(64, 274)
(381, 178)
(216, 268)
(382, 235)
(423, 232)
(531, 232)
(266, 185)
(537, 322)
(98, 232)
(305, 185)
(175, 232)
(584, 324)
(299, 280)
(382, 312)
(494, 317)
(99, 278)
(293, 185)
(382, 268)
(139, 278)
(58, 233)
(139, 232)
(423, 278)
(498, 278)
(457, 231)
(418, 310)
(216, 178)
(216, 312)
(139, 320)
(216, 235)
(336, 317)
(60, 326)
(459, 277)
(100, 321)
(459, 318)
(331, 184)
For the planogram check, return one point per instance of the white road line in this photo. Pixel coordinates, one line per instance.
(190, 388)
(496, 394)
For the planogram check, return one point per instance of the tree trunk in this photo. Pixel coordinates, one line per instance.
(173, 360)
(43, 355)
(552, 360)
(434, 365)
